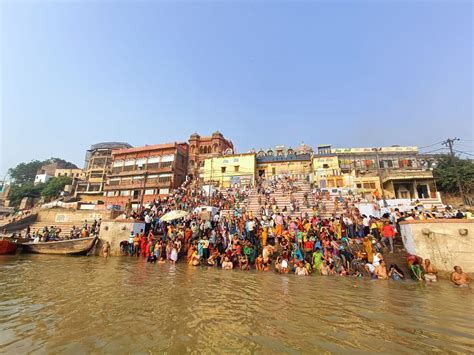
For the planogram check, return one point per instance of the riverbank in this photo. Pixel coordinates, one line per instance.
(127, 305)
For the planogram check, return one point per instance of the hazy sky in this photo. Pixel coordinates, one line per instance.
(347, 73)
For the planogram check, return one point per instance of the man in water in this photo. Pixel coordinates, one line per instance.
(431, 271)
(227, 264)
(460, 278)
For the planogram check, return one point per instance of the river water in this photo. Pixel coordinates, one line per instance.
(52, 304)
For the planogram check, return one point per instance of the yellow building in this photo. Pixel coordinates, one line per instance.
(326, 172)
(72, 173)
(230, 170)
(368, 186)
(284, 161)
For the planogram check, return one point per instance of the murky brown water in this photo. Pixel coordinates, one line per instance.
(86, 304)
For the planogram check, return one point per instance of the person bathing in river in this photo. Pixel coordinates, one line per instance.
(106, 250)
(430, 270)
(301, 270)
(381, 271)
(395, 273)
(227, 264)
(460, 278)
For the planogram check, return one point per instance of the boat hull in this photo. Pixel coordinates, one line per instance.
(7, 247)
(80, 246)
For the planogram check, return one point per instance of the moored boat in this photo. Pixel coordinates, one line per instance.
(7, 247)
(80, 246)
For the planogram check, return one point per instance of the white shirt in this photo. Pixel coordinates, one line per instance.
(377, 259)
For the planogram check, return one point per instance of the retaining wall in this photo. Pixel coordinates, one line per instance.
(446, 242)
(114, 232)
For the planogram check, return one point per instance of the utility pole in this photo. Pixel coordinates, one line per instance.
(449, 143)
(379, 172)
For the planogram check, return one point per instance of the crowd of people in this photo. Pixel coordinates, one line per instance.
(349, 245)
(55, 233)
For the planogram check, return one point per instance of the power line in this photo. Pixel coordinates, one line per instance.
(460, 151)
(435, 150)
(431, 145)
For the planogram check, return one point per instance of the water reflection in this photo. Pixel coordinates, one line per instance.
(61, 304)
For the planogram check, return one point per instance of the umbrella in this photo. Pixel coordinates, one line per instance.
(172, 215)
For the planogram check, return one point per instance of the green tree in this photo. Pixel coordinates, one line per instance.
(25, 173)
(17, 192)
(446, 176)
(54, 186)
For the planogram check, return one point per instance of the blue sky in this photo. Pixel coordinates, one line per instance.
(348, 73)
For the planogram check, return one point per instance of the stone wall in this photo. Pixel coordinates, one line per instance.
(58, 215)
(114, 232)
(446, 242)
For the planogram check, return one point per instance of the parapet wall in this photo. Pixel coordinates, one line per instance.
(446, 242)
(58, 215)
(114, 232)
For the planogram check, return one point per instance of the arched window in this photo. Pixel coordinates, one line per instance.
(192, 149)
(215, 148)
(201, 150)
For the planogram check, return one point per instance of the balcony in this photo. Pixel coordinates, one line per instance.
(138, 184)
(405, 174)
(134, 170)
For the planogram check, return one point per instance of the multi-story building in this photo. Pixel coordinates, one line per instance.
(139, 175)
(97, 165)
(230, 170)
(326, 170)
(202, 148)
(48, 171)
(72, 173)
(284, 161)
(398, 169)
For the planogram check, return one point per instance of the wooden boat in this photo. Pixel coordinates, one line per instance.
(7, 247)
(80, 246)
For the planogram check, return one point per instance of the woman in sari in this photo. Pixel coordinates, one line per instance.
(368, 249)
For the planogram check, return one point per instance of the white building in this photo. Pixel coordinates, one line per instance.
(42, 178)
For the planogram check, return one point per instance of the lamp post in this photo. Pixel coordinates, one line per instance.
(379, 173)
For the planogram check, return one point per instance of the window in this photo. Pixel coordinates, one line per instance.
(115, 181)
(166, 164)
(236, 168)
(359, 186)
(129, 165)
(163, 178)
(223, 169)
(110, 193)
(325, 166)
(167, 158)
(125, 193)
(140, 163)
(94, 187)
(149, 192)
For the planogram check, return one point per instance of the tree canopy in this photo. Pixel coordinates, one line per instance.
(23, 177)
(25, 172)
(54, 186)
(17, 192)
(446, 178)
